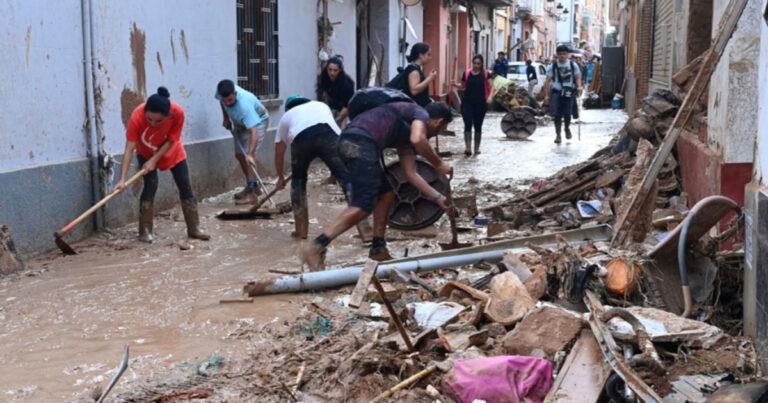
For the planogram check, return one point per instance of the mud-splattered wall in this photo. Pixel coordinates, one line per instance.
(184, 45)
(45, 152)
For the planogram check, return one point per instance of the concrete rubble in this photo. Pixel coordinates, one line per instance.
(581, 321)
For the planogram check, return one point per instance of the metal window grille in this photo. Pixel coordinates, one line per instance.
(257, 35)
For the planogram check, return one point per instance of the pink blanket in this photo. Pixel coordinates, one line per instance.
(505, 378)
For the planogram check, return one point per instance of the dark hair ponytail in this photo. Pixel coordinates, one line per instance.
(159, 102)
(417, 50)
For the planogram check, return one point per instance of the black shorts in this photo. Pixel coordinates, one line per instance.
(361, 155)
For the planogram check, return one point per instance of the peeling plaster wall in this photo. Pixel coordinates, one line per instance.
(42, 83)
(761, 169)
(184, 50)
(732, 115)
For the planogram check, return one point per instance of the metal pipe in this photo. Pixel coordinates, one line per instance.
(491, 253)
(681, 249)
(94, 146)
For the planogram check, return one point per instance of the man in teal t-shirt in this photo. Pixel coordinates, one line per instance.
(246, 118)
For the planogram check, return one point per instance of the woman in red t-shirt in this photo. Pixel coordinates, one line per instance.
(154, 133)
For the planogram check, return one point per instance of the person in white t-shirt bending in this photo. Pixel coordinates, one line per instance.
(309, 127)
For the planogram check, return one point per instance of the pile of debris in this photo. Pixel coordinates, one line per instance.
(533, 327)
(587, 193)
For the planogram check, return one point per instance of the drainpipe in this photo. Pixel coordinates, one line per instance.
(94, 145)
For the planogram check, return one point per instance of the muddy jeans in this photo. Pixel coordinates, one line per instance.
(180, 173)
(318, 141)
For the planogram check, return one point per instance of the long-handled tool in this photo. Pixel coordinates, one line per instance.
(253, 168)
(120, 370)
(578, 124)
(253, 212)
(60, 233)
(455, 244)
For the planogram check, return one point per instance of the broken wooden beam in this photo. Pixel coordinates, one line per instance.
(700, 84)
(393, 314)
(369, 270)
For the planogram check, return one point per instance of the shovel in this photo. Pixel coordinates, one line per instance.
(251, 213)
(58, 234)
(455, 244)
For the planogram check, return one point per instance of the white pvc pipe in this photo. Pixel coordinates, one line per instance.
(490, 253)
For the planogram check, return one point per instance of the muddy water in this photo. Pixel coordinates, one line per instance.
(64, 322)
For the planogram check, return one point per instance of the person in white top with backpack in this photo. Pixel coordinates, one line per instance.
(561, 89)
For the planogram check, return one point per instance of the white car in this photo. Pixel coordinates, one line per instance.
(516, 72)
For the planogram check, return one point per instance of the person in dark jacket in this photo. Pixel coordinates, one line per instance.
(501, 64)
(335, 88)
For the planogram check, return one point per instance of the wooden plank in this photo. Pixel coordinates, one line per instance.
(392, 314)
(700, 84)
(362, 283)
(613, 353)
(583, 374)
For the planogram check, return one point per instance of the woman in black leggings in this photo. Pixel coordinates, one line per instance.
(154, 134)
(477, 88)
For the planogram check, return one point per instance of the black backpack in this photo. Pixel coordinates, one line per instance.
(400, 81)
(371, 97)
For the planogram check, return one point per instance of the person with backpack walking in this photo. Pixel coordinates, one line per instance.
(411, 80)
(405, 126)
(474, 104)
(561, 89)
(311, 131)
(246, 117)
(335, 87)
(154, 134)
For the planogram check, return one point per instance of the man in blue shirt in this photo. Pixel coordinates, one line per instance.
(501, 65)
(246, 118)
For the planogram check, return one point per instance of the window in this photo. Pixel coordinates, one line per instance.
(257, 47)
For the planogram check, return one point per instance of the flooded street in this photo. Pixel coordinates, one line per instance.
(64, 321)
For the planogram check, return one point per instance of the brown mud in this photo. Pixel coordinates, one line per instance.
(65, 319)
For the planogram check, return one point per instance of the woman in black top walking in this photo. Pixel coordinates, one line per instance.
(474, 104)
(418, 83)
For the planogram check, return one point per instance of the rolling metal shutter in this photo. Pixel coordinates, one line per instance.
(661, 60)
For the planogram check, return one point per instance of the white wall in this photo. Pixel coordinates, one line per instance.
(732, 114)
(299, 63)
(344, 39)
(41, 82)
(194, 56)
(761, 168)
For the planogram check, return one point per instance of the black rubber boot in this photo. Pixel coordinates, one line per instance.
(467, 143)
(478, 137)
